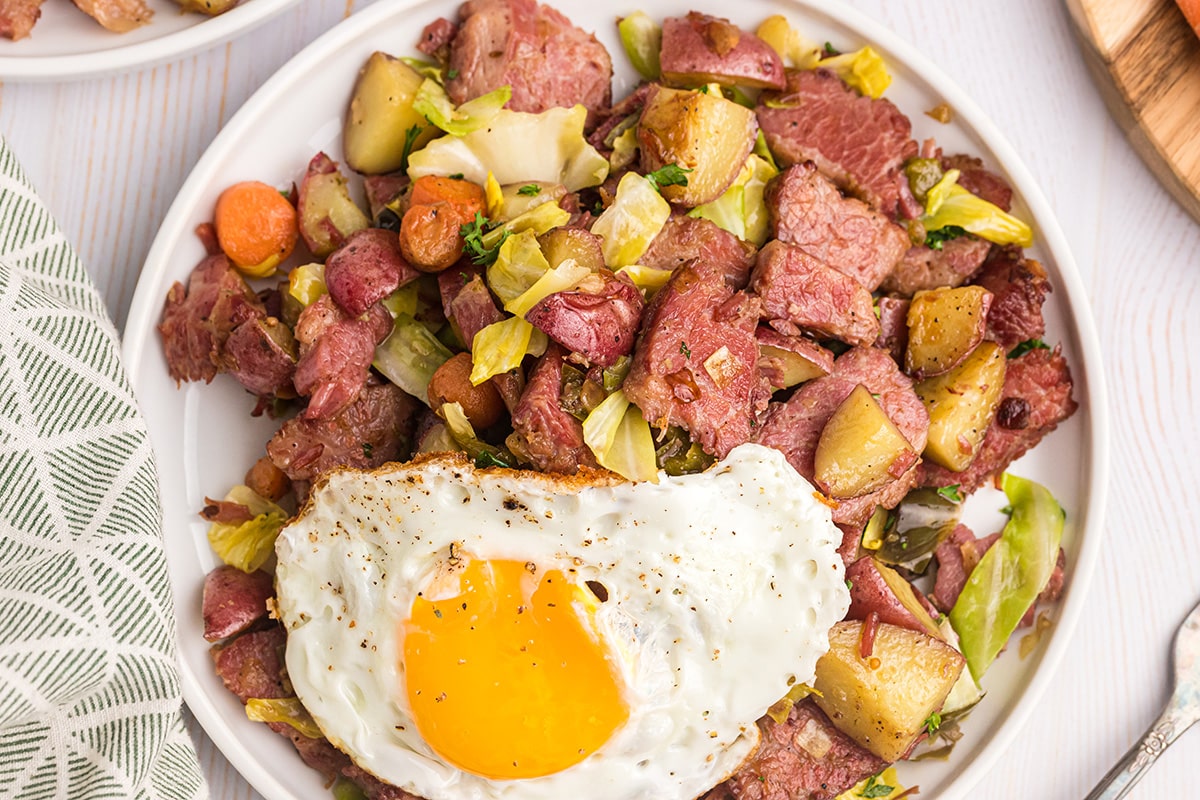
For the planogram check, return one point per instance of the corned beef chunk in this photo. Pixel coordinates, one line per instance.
(1019, 287)
(859, 143)
(800, 289)
(684, 239)
(261, 354)
(234, 600)
(794, 427)
(925, 268)
(17, 17)
(696, 364)
(250, 665)
(197, 321)
(1040, 379)
(546, 60)
(543, 433)
(375, 428)
(598, 319)
(893, 327)
(436, 37)
(803, 758)
(809, 212)
(335, 354)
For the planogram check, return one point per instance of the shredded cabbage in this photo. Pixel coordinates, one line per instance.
(404, 300)
(565, 276)
(432, 102)
(518, 265)
(462, 432)
(624, 149)
(499, 347)
(547, 216)
(307, 283)
(540, 148)
(742, 209)
(283, 709)
(619, 436)
(1010, 575)
(795, 50)
(636, 216)
(641, 37)
(948, 204)
(863, 70)
(426, 69)
(648, 279)
(410, 355)
(248, 545)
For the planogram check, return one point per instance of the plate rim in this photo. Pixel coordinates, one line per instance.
(1094, 460)
(150, 52)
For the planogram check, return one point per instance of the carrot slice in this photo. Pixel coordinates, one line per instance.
(256, 227)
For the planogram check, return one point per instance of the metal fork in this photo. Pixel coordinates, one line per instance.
(1182, 710)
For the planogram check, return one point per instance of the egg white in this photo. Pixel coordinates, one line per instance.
(722, 588)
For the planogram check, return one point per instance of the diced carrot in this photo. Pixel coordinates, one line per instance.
(429, 237)
(256, 227)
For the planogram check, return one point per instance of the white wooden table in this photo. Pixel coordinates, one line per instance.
(109, 155)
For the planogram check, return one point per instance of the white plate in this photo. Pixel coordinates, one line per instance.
(66, 43)
(205, 439)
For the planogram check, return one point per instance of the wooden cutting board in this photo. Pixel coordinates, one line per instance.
(1146, 60)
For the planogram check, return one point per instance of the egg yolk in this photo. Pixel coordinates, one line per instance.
(504, 675)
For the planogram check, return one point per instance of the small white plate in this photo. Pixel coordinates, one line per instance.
(205, 438)
(66, 43)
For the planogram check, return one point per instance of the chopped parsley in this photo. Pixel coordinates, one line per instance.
(1027, 345)
(368, 450)
(683, 348)
(703, 89)
(530, 190)
(670, 175)
(933, 723)
(410, 138)
(451, 74)
(935, 239)
(473, 246)
(951, 493)
(458, 176)
(489, 459)
(831, 50)
(876, 789)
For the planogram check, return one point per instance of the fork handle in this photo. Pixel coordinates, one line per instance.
(1121, 778)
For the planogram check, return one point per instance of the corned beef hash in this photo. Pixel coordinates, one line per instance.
(623, 442)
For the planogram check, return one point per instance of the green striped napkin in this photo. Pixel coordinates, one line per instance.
(89, 686)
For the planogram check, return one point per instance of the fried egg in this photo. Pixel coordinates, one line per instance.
(476, 634)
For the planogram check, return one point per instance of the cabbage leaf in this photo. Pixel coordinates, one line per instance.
(500, 347)
(619, 437)
(410, 355)
(564, 277)
(863, 70)
(432, 102)
(248, 545)
(283, 709)
(635, 217)
(307, 283)
(518, 147)
(519, 264)
(742, 209)
(949, 204)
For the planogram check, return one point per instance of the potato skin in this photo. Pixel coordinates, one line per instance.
(327, 213)
(700, 49)
(882, 701)
(944, 326)
(704, 133)
(451, 383)
(961, 405)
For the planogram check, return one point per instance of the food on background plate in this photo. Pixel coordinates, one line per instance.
(689, 387)
(1191, 10)
(17, 17)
